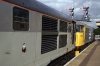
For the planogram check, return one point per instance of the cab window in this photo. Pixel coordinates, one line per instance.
(20, 19)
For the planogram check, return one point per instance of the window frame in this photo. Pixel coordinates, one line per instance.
(23, 26)
(63, 24)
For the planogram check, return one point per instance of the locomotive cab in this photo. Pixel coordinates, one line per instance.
(79, 35)
(79, 38)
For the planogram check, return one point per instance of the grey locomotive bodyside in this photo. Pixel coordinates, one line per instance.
(11, 41)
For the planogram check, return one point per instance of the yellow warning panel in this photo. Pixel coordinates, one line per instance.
(79, 38)
(76, 53)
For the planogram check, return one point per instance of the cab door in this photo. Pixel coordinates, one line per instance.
(73, 32)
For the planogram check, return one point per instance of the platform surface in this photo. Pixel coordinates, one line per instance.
(89, 57)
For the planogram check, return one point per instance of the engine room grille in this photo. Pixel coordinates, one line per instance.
(49, 24)
(63, 26)
(87, 35)
(62, 41)
(49, 43)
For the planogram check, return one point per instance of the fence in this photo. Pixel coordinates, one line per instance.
(97, 37)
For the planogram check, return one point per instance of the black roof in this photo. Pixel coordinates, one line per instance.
(40, 7)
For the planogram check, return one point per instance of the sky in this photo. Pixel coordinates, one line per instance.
(62, 5)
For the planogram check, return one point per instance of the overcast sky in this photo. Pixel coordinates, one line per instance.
(62, 5)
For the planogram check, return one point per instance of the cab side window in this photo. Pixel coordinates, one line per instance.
(20, 19)
(77, 28)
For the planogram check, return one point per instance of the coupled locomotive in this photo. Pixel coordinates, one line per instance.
(33, 34)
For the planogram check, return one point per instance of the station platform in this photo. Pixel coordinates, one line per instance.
(88, 57)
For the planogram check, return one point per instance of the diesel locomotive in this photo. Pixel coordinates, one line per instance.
(33, 34)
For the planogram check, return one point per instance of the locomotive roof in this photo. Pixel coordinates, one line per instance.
(39, 7)
(83, 23)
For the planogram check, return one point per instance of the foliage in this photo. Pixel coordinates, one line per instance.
(97, 31)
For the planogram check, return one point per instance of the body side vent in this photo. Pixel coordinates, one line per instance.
(63, 26)
(62, 41)
(49, 43)
(49, 24)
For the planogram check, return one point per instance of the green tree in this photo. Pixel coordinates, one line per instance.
(97, 31)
